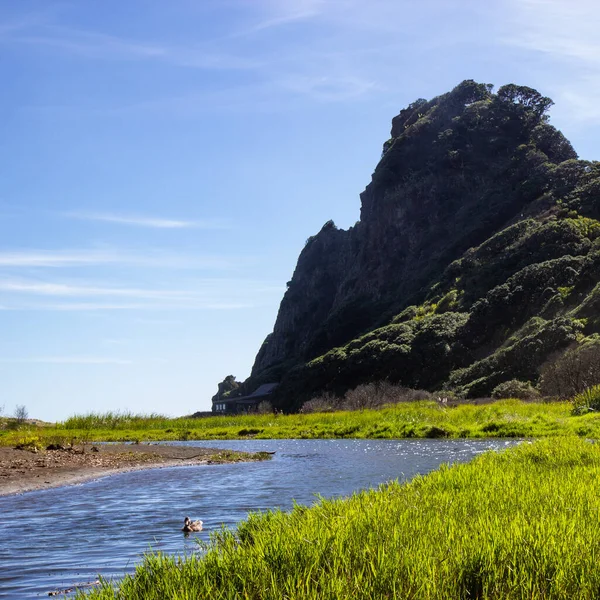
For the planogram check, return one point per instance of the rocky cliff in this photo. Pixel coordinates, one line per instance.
(475, 196)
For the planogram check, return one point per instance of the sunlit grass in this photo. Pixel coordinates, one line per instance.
(506, 418)
(521, 524)
(116, 420)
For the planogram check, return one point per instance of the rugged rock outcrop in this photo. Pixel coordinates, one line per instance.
(473, 188)
(227, 388)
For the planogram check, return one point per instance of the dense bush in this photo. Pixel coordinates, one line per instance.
(365, 397)
(522, 296)
(522, 390)
(375, 395)
(520, 360)
(572, 371)
(326, 402)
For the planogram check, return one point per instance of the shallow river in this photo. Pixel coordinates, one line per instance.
(54, 539)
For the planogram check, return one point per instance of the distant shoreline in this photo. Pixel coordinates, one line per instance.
(24, 471)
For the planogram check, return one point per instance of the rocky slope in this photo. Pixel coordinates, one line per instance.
(475, 258)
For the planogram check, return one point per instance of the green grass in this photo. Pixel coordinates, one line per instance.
(116, 420)
(505, 418)
(517, 525)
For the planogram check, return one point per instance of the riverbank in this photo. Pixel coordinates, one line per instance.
(505, 418)
(29, 468)
(510, 525)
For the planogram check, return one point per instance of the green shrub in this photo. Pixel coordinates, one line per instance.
(586, 401)
(522, 390)
(447, 302)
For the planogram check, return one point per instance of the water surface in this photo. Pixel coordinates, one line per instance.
(57, 538)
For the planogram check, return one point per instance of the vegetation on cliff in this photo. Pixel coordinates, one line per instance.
(475, 262)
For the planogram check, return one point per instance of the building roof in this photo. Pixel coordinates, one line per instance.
(264, 390)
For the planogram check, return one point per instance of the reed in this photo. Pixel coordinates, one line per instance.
(116, 420)
(516, 525)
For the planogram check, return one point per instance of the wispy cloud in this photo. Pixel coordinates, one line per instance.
(204, 294)
(91, 45)
(203, 287)
(58, 289)
(292, 53)
(304, 67)
(100, 46)
(152, 222)
(277, 14)
(65, 258)
(154, 321)
(115, 257)
(330, 89)
(565, 34)
(127, 306)
(561, 28)
(68, 360)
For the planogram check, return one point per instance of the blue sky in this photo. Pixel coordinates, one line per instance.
(164, 162)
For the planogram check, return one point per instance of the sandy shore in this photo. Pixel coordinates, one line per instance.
(24, 470)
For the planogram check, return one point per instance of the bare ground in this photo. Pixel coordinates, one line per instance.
(23, 470)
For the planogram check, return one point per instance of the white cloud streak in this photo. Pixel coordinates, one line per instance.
(57, 289)
(100, 306)
(121, 258)
(206, 294)
(329, 89)
(561, 28)
(98, 46)
(151, 222)
(322, 65)
(68, 360)
(278, 13)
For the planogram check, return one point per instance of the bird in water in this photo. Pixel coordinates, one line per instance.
(189, 525)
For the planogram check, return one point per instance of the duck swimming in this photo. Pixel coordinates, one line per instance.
(189, 525)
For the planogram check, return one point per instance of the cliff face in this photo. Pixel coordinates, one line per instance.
(457, 172)
(312, 295)
(449, 177)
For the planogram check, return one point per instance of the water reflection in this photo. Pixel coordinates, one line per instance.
(57, 538)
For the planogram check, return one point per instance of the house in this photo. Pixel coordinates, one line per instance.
(243, 404)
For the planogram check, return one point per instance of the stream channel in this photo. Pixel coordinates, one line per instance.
(58, 538)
